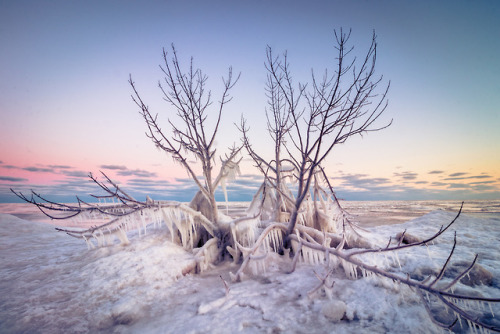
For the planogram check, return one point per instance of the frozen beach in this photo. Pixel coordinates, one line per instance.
(51, 283)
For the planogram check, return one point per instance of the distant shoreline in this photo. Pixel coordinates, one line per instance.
(366, 213)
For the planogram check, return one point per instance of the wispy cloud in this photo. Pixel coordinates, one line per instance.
(482, 176)
(457, 174)
(359, 183)
(60, 167)
(403, 185)
(483, 182)
(438, 184)
(74, 173)
(365, 187)
(113, 167)
(458, 185)
(13, 179)
(38, 169)
(136, 172)
(406, 175)
(125, 171)
(10, 167)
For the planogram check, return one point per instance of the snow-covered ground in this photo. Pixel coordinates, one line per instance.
(51, 283)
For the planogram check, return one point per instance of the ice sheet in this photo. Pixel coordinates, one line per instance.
(50, 282)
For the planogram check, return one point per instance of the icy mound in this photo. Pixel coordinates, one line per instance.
(475, 235)
(50, 282)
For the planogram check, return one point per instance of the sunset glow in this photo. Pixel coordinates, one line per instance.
(66, 110)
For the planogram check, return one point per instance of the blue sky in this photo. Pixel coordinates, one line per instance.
(65, 108)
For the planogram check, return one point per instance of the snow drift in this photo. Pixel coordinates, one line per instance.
(52, 283)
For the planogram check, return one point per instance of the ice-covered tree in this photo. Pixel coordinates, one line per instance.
(187, 94)
(312, 119)
(189, 140)
(300, 213)
(295, 213)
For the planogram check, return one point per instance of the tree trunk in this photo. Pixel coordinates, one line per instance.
(204, 206)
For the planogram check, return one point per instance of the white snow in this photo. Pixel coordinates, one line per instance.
(51, 283)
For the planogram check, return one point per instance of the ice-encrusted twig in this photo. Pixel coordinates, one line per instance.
(322, 283)
(409, 245)
(225, 285)
(248, 252)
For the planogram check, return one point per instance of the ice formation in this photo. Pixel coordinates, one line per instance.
(230, 172)
(140, 287)
(184, 224)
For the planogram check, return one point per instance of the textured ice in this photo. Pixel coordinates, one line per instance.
(51, 283)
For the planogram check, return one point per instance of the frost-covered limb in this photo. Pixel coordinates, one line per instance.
(126, 204)
(306, 121)
(445, 265)
(225, 285)
(441, 324)
(462, 275)
(248, 252)
(185, 91)
(346, 222)
(116, 193)
(124, 215)
(178, 217)
(400, 246)
(473, 320)
(441, 293)
(207, 255)
(44, 205)
(323, 283)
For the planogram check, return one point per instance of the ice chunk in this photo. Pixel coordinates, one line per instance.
(334, 310)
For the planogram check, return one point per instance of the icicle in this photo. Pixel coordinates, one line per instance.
(311, 256)
(102, 237)
(397, 259)
(224, 190)
(429, 254)
(267, 245)
(317, 257)
(97, 239)
(473, 327)
(459, 319)
(89, 243)
(167, 218)
(275, 240)
(270, 240)
(349, 269)
(386, 260)
(305, 254)
(191, 230)
(110, 238)
(122, 236)
(469, 324)
(491, 310)
(143, 221)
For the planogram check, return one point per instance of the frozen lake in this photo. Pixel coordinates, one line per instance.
(51, 283)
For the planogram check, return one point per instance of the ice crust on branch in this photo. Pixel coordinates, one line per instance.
(184, 225)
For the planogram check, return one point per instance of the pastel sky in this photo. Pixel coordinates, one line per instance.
(66, 110)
